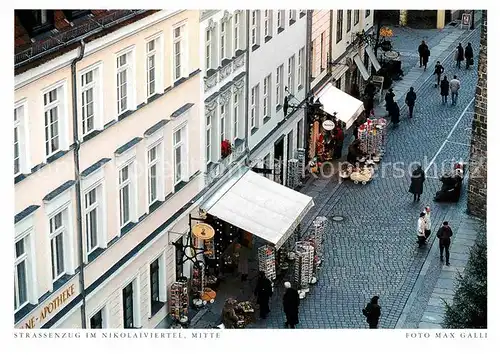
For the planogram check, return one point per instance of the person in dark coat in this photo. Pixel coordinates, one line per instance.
(291, 303)
(444, 235)
(355, 129)
(394, 112)
(354, 151)
(422, 51)
(459, 55)
(368, 104)
(438, 70)
(372, 313)
(411, 97)
(469, 54)
(263, 291)
(355, 91)
(389, 100)
(417, 183)
(370, 89)
(445, 90)
(338, 136)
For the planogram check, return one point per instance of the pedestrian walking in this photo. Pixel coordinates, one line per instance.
(427, 219)
(469, 56)
(421, 230)
(263, 291)
(395, 113)
(459, 55)
(423, 49)
(368, 104)
(438, 70)
(454, 88)
(411, 97)
(372, 312)
(389, 100)
(243, 256)
(291, 303)
(338, 136)
(444, 235)
(417, 183)
(445, 90)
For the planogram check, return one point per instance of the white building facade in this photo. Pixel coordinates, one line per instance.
(110, 129)
(277, 68)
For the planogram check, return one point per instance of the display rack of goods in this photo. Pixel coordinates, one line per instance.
(198, 282)
(209, 248)
(304, 265)
(319, 230)
(293, 173)
(300, 155)
(267, 261)
(362, 136)
(283, 258)
(381, 126)
(179, 301)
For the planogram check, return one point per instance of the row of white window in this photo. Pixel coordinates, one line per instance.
(280, 88)
(91, 100)
(230, 33)
(273, 24)
(94, 213)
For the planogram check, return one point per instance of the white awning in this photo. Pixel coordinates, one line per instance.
(260, 206)
(348, 108)
(361, 67)
(373, 57)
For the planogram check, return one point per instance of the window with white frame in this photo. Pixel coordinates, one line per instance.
(180, 155)
(340, 24)
(153, 67)
(254, 97)
(157, 283)
(236, 100)
(153, 174)
(208, 132)
(180, 52)
(279, 85)
(124, 82)
(57, 231)
(222, 40)
(268, 15)
(98, 320)
(254, 28)
(21, 139)
(89, 95)
(280, 20)
(349, 21)
(291, 74)
(208, 49)
(21, 271)
(17, 139)
(131, 301)
(52, 109)
(236, 31)
(222, 125)
(367, 13)
(292, 16)
(267, 96)
(300, 72)
(356, 17)
(125, 194)
(93, 214)
(322, 55)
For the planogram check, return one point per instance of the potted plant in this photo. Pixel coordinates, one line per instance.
(226, 148)
(386, 34)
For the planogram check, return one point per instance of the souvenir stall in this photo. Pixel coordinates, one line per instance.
(321, 143)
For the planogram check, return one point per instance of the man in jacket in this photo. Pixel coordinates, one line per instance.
(469, 54)
(291, 302)
(372, 312)
(444, 235)
(459, 55)
(411, 97)
(438, 70)
(422, 52)
(454, 87)
(263, 291)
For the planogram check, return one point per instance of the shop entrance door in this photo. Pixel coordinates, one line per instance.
(279, 149)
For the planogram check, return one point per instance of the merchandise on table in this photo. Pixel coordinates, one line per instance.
(179, 301)
(267, 261)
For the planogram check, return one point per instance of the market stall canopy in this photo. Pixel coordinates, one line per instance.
(260, 206)
(373, 58)
(348, 108)
(361, 67)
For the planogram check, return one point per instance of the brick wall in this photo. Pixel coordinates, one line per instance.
(476, 204)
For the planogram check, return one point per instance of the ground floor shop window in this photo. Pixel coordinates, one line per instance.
(154, 285)
(96, 320)
(128, 306)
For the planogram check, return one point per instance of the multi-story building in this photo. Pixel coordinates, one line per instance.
(277, 69)
(107, 163)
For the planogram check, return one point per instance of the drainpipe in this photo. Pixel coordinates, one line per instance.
(247, 83)
(330, 43)
(307, 84)
(76, 158)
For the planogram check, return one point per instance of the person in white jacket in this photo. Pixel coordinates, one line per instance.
(427, 219)
(421, 230)
(454, 87)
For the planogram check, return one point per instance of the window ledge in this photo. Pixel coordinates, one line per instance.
(154, 206)
(302, 14)
(300, 87)
(291, 22)
(238, 142)
(266, 119)
(93, 255)
(255, 47)
(126, 228)
(252, 132)
(267, 38)
(280, 29)
(180, 185)
(124, 115)
(156, 307)
(279, 107)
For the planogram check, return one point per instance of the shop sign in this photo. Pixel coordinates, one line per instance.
(466, 19)
(328, 125)
(49, 310)
(203, 231)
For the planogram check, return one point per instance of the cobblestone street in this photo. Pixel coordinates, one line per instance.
(372, 251)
